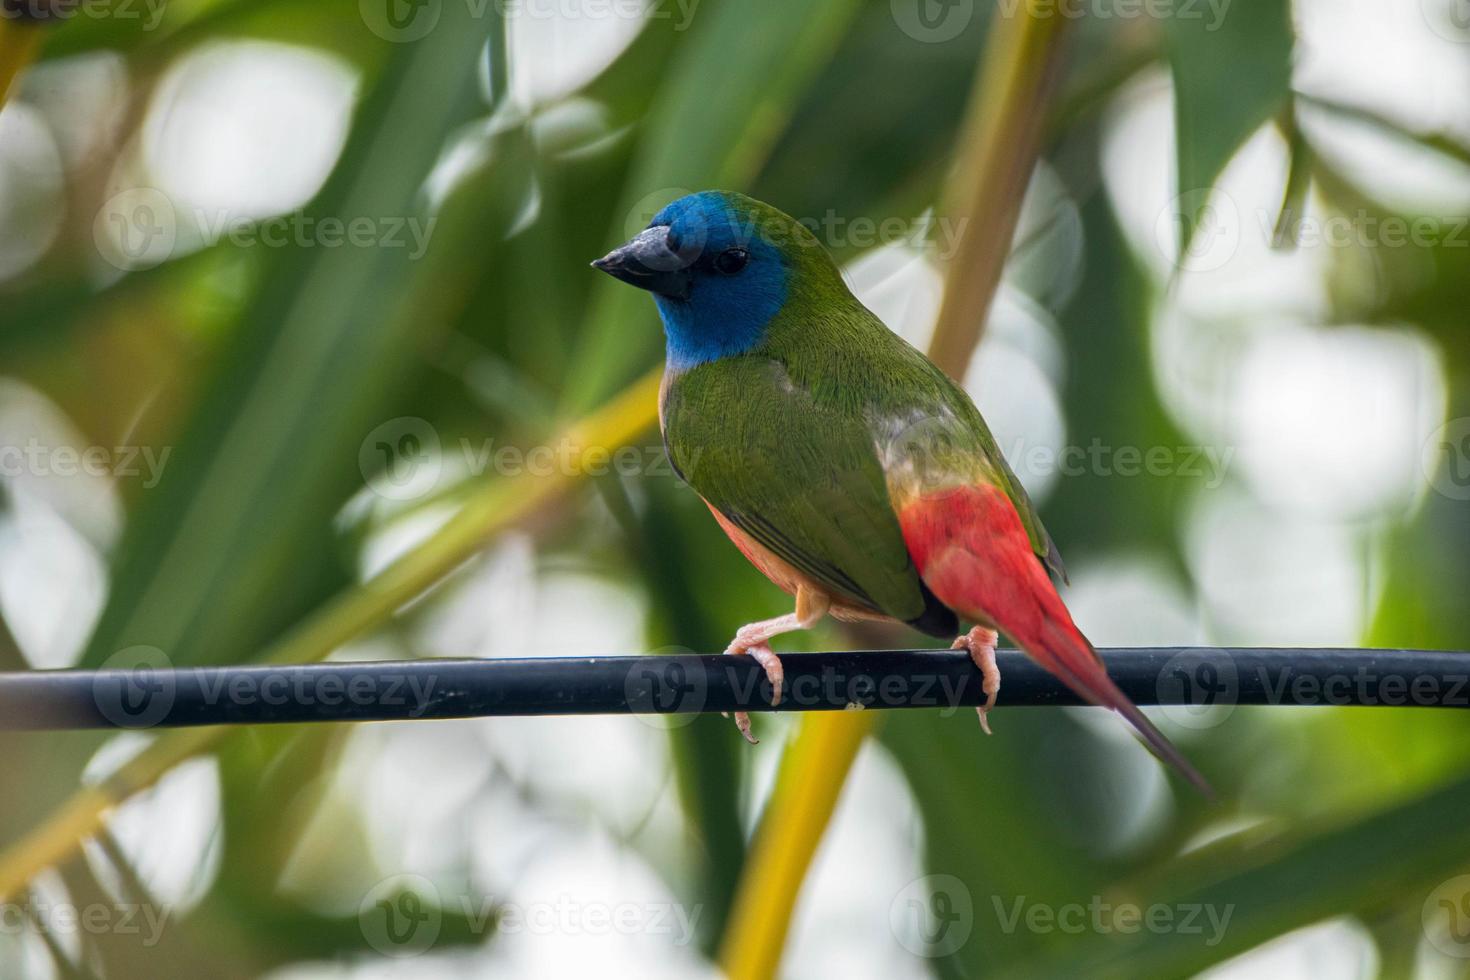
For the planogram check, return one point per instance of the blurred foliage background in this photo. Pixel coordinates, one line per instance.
(294, 304)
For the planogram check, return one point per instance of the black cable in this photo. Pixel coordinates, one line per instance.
(1200, 679)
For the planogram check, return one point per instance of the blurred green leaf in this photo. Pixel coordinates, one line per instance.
(237, 541)
(1232, 72)
(1397, 855)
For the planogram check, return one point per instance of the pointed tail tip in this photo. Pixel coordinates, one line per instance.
(1164, 749)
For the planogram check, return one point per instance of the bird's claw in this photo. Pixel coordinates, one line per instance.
(980, 642)
(756, 645)
(742, 722)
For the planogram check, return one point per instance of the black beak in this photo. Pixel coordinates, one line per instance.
(647, 261)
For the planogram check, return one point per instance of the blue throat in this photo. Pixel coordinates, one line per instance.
(697, 331)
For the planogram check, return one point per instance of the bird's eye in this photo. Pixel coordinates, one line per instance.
(731, 261)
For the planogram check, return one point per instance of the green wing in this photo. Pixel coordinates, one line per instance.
(799, 476)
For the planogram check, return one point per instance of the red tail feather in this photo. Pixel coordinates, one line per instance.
(973, 553)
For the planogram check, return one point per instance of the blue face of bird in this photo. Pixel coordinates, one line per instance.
(717, 282)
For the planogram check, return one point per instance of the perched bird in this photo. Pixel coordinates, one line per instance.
(847, 467)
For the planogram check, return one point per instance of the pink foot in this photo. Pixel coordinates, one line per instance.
(981, 644)
(756, 645)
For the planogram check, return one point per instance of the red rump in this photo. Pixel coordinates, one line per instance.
(973, 553)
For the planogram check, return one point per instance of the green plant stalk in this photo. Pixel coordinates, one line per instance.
(500, 505)
(997, 151)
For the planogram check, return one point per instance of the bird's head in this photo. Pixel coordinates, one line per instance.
(720, 266)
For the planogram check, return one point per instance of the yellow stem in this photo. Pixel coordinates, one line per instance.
(813, 771)
(994, 159)
(19, 42)
(997, 151)
(353, 612)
